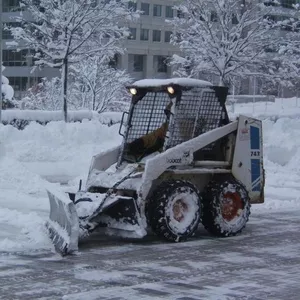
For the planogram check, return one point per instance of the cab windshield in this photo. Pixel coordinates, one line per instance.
(148, 124)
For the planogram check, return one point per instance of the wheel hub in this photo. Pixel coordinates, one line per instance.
(179, 209)
(232, 206)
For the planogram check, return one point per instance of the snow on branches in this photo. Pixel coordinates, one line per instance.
(98, 86)
(93, 84)
(228, 40)
(45, 95)
(63, 32)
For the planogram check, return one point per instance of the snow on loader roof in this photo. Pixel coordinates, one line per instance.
(187, 82)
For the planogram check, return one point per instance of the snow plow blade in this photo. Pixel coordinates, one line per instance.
(63, 223)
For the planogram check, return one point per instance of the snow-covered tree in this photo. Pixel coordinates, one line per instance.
(69, 31)
(7, 92)
(286, 55)
(226, 39)
(45, 95)
(98, 86)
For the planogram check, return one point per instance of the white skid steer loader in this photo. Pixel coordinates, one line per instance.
(182, 162)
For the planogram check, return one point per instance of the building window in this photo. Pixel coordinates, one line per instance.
(168, 36)
(156, 36)
(13, 58)
(113, 62)
(145, 7)
(11, 5)
(132, 34)
(19, 83)
(169, 12)
(132, 5)
(160, 64)
(289, 3)
(144, 34)
(6, 35)
(138, 63)
(157, 10)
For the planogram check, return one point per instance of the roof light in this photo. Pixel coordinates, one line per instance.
(133, 91)
(170, 90)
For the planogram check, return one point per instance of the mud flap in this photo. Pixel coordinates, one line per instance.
(63, 223)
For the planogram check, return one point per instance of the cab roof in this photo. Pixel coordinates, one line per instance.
(184, 82)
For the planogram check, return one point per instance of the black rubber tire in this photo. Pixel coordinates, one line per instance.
(213, 219)
(158, 210)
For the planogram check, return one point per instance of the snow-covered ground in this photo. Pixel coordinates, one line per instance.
(62, 152)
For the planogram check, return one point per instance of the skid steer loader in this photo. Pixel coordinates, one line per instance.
(182, 162)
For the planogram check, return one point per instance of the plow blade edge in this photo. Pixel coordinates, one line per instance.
(63, 223)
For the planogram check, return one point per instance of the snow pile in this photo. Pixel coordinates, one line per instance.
(44, 116)
(110, 118)
(7, 90)
(281, 142)
(282, 107)
(58, 149)
(282, 164)
(23, 206)
(54, 150)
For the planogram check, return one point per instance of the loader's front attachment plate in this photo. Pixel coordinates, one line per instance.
(63, 223)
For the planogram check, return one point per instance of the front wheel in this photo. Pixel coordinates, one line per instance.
(174, 210)
(226, 208)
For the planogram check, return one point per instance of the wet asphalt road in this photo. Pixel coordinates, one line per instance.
(261, 263)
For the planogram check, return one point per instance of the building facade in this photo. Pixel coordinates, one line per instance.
(148, 47)
(18, 64)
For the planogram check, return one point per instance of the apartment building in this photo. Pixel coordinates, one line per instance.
(148, 47)
(18, 64)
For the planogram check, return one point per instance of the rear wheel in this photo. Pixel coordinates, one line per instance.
(226, 207)
(173, 211)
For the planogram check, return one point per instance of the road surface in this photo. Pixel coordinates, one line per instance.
(261, 263)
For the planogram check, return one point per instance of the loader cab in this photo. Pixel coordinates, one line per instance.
(168, 112)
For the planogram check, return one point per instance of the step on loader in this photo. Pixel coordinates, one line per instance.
(182, 162)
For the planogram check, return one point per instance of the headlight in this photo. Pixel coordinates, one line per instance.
(133, 91)
(170, 90)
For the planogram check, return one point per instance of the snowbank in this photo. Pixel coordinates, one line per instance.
(44, 117)
(23, 208)
(56, 150)
(282, 164)
(282, 107)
